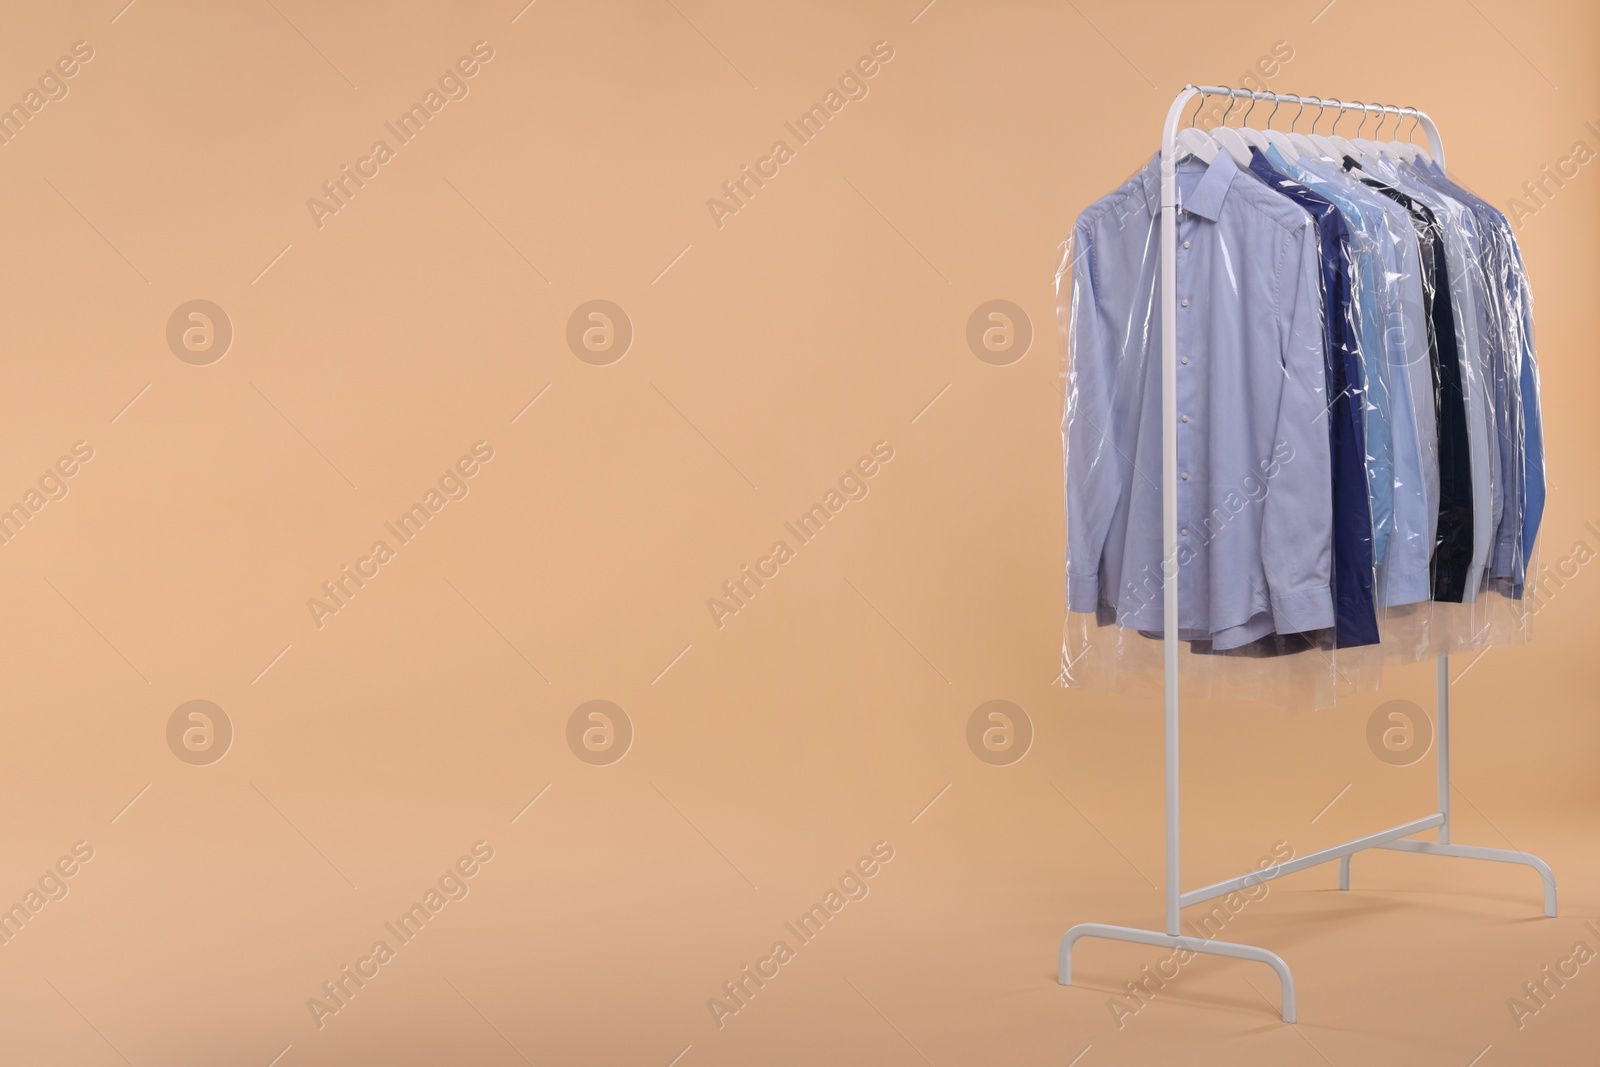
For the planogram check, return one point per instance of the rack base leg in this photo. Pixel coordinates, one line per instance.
(1192, 944)
(1470, 852)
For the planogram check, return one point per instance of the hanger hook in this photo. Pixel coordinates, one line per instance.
(1338, 113)
(1298, 112)
(1365, 114)
(1277, 102)
(1245, 120)
(1416, 121)
(1318, 117)
(1231, 101)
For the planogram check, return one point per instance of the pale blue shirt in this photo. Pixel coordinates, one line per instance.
(1368, 272)
(1506, 288)
(1404, 569)
(1254, 491)
(1463, 258)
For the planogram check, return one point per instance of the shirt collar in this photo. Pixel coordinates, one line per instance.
(1205, 199)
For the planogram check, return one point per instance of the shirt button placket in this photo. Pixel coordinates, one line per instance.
(1183, 442)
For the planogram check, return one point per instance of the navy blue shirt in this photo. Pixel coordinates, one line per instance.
(1355, 614)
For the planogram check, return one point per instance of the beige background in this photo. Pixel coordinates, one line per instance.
(768, 356)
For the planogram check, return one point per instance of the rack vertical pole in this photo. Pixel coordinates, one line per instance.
(1442, 701)
(1169, 497)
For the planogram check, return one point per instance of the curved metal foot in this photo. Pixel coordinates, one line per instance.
(1469, 852)
(1191, 944)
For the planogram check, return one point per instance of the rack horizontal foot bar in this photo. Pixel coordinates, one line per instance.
(1191, 944)
(1468, 852)
(1300, 863)
(1393, 839)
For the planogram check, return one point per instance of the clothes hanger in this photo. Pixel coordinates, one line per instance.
(1417, 152)
(1229, 140)
(1342, 143)
(1385, 149)
(1278, 140)
(1251, 135)
(1196, 142)
(1393, 147)
(1320, 144)
(1367, 146)
(1404, 151)
(1300, 140)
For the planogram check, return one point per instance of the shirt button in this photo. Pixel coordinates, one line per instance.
(1185, 302)
(1184, 531)
(1184, 359)
(1185, 418)
(1184, 475)
(1186, 244)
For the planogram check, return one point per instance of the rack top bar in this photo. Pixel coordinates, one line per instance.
(1189, 92)
(1324, 101)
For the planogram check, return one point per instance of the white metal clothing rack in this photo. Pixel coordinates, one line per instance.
(1397, 838)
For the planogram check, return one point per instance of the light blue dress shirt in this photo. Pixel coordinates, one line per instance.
(1468, 294)
(1401, 363)
(1255, 489)
(1367, 284)
(1516, 383)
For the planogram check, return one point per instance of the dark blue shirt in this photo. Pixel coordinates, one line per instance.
(1355, 616)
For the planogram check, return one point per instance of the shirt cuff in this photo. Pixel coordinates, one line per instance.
(1303, 609)
(1500, 565)
(1083, 592)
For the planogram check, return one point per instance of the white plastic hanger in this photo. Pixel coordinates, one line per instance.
(1230, 140)
(1196, 142)
(1251, 135)
(1394, 147)
(1317, 143)
(1301, 142)
(1342, 143)
(1414, 152)
(1280, 141)
(1390, 149)
(1368, 147)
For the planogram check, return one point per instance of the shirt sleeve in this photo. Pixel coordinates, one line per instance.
(1532, 422)
(1297, 525)
(1093, 467)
